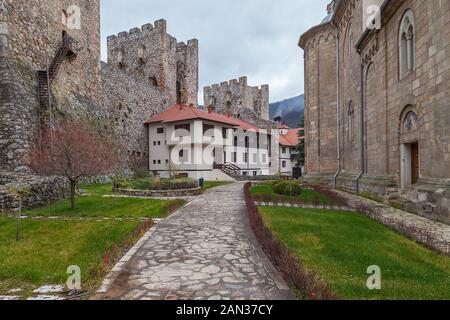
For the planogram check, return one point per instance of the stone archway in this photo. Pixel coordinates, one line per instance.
(409, 147)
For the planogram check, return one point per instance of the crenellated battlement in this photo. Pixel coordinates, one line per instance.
(152, 55)
(236, 96)
(158, 26)
(242, 81)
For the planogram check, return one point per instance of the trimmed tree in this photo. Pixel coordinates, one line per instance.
(18, 193)
(301, 146)
(74, 151)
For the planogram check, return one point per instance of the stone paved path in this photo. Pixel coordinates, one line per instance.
(204, 251)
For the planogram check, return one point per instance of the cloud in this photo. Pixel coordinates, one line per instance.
(256, 38)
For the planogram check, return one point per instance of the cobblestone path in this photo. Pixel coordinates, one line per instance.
(204, 251)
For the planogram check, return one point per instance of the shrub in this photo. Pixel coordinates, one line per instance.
(277, 182)
(151, 184)
(288, 188)
(123, 184)
(175, 184)
(293, 189)
(141, 173)
(144, 184)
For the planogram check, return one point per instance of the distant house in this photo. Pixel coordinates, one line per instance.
(289, 139)
(189, 142)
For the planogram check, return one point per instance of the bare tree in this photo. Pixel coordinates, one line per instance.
(75, 151)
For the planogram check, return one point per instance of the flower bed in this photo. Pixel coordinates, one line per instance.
(159, 193)
(308, 196)
(152, 188)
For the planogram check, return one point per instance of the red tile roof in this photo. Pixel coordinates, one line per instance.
(182, 112)
(291, 138)
(282, 126)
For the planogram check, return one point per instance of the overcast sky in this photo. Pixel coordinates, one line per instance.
(256, 38)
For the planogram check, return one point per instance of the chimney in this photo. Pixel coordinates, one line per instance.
(210, 109)
(191, 105)
(229, 114)
(181, 106)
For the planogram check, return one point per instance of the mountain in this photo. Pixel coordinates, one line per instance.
(290, 110)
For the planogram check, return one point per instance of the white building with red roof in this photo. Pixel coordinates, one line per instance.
(186, 141)
(289, 139)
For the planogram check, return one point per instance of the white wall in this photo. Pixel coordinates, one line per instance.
(198, 158)
(286, 157)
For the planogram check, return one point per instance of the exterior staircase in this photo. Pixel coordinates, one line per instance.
(229, 169)
(68, 49)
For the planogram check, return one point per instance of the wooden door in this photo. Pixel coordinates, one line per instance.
(414, 163)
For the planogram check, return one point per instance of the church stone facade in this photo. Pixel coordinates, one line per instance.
(378, 102)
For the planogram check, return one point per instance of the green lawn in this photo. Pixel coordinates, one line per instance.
(48, 247)
(94, 205)
(340, 246)
(307, 196)
(213, 184)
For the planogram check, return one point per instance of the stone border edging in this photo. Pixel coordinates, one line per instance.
(119, 266)
(303, 206)
(159, 193)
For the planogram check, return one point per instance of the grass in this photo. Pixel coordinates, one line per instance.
(213, 184)
(48, 247)
(340, 246)
(95, 205)
(307, 196)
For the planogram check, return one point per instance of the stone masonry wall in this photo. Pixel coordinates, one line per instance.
(153, 56)
(34, 30)
(43, 190)
(129, 102)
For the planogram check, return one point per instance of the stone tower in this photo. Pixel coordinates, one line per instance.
(152, 55)
(237, 97)
(319, 45)
(36, 36)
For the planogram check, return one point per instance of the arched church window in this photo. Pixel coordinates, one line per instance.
(411, 122)
(407, 45)
(350, 42)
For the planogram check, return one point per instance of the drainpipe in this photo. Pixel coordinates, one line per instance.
(362, 125)
(338, 138)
